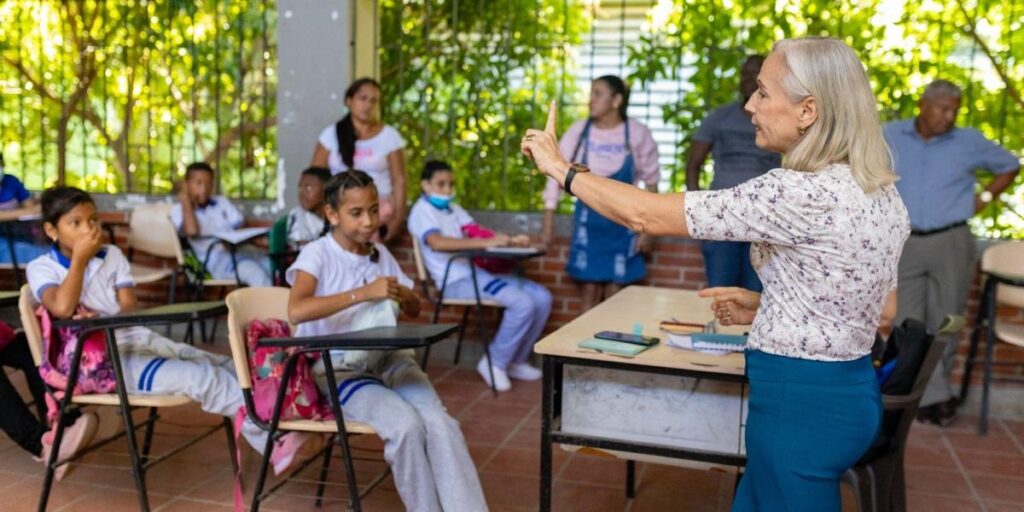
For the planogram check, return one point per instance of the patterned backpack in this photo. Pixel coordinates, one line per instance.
(96, 371)
(266, 367)
(302, 398)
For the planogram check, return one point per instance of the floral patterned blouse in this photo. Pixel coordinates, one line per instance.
(826, 252)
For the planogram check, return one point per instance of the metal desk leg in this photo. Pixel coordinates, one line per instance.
(549, 395)
(234, 263)
(14, 255)
(981, 321)
(355, 500)
(630, 479)
(138, 466)
(990, 347)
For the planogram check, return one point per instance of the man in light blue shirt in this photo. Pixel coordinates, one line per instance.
(936, 163)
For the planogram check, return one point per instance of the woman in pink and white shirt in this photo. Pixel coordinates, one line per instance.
(603, 255)
(361, 141)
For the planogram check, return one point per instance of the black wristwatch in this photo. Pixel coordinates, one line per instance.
(573, 170)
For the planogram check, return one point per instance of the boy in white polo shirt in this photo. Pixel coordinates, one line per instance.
(199, 214)
(438, 225)
(306, 221)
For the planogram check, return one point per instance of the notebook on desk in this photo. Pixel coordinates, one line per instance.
(716, 344)
(512, 250)
(615, 348)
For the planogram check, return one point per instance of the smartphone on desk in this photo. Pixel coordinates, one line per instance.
(646, 341)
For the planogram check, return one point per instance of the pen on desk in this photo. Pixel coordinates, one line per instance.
(602, 352)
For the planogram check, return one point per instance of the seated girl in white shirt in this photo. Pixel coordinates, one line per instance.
(80, 271)
(343, 282)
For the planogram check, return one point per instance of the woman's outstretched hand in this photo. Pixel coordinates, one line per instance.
(541, 146)
(733, 306)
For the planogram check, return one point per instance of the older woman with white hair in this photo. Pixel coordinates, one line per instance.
(827, 231)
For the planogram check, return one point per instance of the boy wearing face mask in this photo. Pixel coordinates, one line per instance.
(15, 202)
(440, 226)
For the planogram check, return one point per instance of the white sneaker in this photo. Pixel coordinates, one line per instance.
(501, 382)
(76, 437)
(524, 371)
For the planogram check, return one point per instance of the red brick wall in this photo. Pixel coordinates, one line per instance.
(675, 263)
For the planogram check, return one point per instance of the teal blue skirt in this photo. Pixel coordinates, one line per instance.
(808, 422)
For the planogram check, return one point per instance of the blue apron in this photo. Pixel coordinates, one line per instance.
(601, 250)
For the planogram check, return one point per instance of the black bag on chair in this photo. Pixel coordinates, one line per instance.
(908, 345)
(905, 351)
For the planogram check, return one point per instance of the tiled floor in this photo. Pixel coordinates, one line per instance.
(947, 469)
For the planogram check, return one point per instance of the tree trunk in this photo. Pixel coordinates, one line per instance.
(62, 147)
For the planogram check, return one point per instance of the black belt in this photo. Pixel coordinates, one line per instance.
(943, 229)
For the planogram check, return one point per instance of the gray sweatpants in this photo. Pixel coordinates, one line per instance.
(935, 274)
(422, 443)
(527, 308)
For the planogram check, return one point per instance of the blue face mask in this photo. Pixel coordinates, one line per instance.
(439, 201)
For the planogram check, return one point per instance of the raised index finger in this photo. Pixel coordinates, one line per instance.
(552, 117)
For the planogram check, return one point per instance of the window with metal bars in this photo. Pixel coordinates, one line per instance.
(118, 96)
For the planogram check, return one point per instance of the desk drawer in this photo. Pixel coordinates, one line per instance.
(681, 412)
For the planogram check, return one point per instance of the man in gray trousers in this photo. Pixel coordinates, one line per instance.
(936, 162)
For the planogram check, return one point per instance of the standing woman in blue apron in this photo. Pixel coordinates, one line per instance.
(605, 256)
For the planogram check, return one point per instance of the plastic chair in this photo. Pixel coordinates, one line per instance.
(1002, 266)
(150, 231)
(244, 306)
(440, 301)
(140, 458)
(878, 480)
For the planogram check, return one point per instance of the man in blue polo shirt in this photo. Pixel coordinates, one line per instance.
(936, 163)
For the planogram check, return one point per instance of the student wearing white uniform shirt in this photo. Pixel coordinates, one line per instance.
(342, 282)
(306, 221)
(827, 231)
(79, 271)
(199, 214)
(439, 225)
(360, 140)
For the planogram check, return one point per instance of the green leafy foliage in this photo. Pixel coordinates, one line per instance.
(464, 79)
(120, 95)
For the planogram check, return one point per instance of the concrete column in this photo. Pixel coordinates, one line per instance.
(315, 65)
(365, 39)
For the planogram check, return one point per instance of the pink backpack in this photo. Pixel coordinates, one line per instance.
(302, 398)
(492, 265)
(96, 371)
